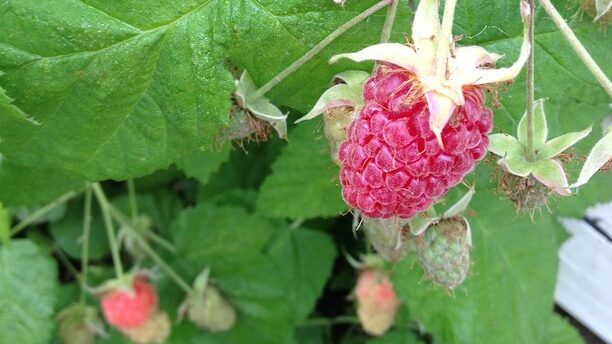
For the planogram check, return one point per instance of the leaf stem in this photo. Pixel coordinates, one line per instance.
(579, 49)
(316, 49)
(132, 197)
(85, 242)
(389, 20)
(163, 265)
(530, 88)
(110, 231)
(445, 38)
(42, 211)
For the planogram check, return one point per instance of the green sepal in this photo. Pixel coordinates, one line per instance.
(540, 127)
(599, 155)
(261, 107)
(348, 93)
(559, 144)
(550, 173)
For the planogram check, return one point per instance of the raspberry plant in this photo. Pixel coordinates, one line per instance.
(165, 160)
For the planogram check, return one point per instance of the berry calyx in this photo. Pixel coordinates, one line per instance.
(377, 302)
(130, 307)
(392, 164)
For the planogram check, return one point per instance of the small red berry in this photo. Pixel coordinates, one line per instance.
(392, 164)
(377, 302)
(126, 309)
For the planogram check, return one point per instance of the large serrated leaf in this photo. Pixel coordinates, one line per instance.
(28, 291)
(231, 242)
(305, 258)
(113, 96)
(304, 180)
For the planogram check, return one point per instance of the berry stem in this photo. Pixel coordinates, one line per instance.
(163, 265)
(531, 82)
(579, 49)
(85, 239)
(389, 20)
(316, 49)
(42, 212)
(110, 231)
(132, 196)
(444, 40)
(125, 221)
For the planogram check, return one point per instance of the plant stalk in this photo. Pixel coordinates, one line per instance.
(530, 87)
(132, 197)
(125, 221)
(445, 39)
(389, 20)
(85, 239)
(42, 211)
(316, 49)
(579, 49)
(110, 230)
(163, 265)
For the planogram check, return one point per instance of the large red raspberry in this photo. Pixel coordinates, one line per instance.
(127, 309)
(392, 164)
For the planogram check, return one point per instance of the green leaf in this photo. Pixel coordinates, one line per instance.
(305, 259)
(270, 35)
(304, 180)
(202, 164)
(5, 226)
(116, 90)
(560, 331)
(540, 128)
(28, 292)
(31, 186)
(508, 294)
(231, 242)
(214, 236)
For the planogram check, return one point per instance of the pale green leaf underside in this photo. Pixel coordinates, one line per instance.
(28, 287)
(599, 155)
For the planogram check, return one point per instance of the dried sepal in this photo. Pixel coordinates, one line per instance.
(261, 107)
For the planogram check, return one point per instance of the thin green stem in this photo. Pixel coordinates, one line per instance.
(132, 196)
(125, 221)
(389, 20)
(575, 43)
(42, 212)
(110, 230)
(163, 265)
(329, 321)
(316, 49)
(85, 239)
(445, 39)
(530, 87)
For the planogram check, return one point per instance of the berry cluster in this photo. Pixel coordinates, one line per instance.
(392, 164)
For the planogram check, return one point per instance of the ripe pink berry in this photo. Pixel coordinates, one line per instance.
(377, 302)
(392, 164)
(127, 309)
